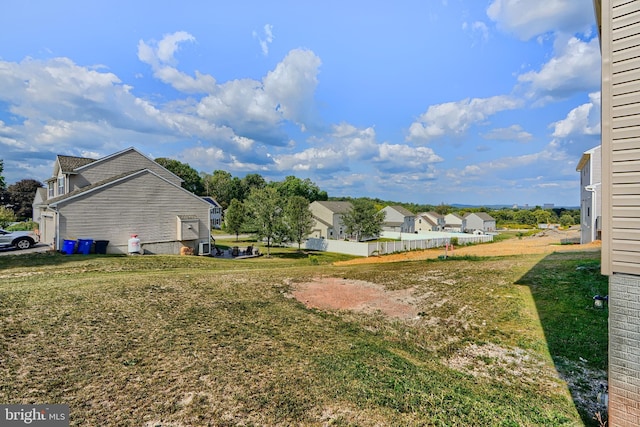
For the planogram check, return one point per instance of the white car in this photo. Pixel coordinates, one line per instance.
(18, 239)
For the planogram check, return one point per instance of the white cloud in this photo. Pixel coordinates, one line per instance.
(255, 107)
(160, 55)
(574, 68)
(527, 19)
(267, 40)
(455, 118)
(479, 29)
(404, 158)
(511, 133)
(582, 120)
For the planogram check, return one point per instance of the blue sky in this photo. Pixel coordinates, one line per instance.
(439, 101)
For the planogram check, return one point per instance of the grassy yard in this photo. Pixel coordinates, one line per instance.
(192, 341)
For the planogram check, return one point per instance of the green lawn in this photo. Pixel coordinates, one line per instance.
(192, 341)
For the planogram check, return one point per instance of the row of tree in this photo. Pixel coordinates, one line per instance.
(224, 187)
(279, 219)
(16, 199)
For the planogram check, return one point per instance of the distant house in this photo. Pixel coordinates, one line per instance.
(398, 219)
(38, 200)
(116, 196)
(590, 168)
(327, 217)
(429, 221)
(454, 222)
(216, 212)
(479, 221)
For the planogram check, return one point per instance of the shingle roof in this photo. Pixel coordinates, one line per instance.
(70, 163)
(482, 215)
(336, 207)
(403, 211)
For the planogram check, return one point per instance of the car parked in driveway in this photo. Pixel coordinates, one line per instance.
(18, 239)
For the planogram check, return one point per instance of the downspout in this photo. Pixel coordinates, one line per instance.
(56, 235)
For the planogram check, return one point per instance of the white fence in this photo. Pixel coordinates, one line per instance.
(409, 242)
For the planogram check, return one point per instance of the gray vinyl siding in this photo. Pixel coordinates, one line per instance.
(126, 161)
(143, 204)
(621, 136)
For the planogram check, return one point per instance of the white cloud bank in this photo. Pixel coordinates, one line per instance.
(455, 118)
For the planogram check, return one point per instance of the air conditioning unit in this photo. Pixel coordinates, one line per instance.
(204, 248)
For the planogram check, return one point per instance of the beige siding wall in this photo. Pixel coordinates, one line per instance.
(145, 205)
(126, 161)
(620, 42)
(621, 136)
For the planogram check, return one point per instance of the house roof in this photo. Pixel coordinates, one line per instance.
(212, 201)
(69, 164)
(434, 214)
(482, 215)
(427, 219)
(402, 210)
(111, 156)
(336, 207)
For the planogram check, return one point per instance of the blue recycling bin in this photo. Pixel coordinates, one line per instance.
(84, 246)
(68, 247)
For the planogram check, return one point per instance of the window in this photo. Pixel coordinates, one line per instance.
(61, 185)
(51, 190)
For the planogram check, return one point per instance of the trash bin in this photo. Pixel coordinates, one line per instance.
(101, 246)
(68, 247)
(84, 246)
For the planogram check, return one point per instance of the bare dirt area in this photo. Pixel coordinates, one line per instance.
(330, 293)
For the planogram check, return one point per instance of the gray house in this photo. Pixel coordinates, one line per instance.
(327, 217)
(590, 168)
(119, 195)
(479, 221)
(455, 223)
(398, 219)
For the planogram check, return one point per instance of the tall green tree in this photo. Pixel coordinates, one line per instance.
(251, 181)
(219, 186)
(524, 216)
(298, 218)
(442, 209)
(566, 220)
(293, 186)
(191, 179)
(363, 220)
(3, 185)
(7, 216)
(235, 217)
(21, 196)
(264, 206)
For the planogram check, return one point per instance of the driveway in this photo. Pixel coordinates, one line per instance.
(39, 247)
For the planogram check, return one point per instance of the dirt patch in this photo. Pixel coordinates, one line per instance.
(331, 293)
